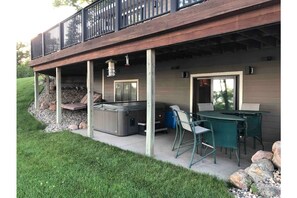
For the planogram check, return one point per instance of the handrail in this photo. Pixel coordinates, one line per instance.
(186, 3)
(99, 18)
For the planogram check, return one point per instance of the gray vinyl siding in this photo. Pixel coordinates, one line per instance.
(98, 81)
(262, 87)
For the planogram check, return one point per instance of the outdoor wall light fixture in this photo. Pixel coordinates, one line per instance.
(185, 74)
(111, 68)
(127, 60)
(249, 70)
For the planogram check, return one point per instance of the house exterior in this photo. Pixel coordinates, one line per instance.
(172, 51)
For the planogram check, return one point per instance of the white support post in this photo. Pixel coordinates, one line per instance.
(103, 84)
(58, 96)
(36, 91)
(90, 87)
(150, 105)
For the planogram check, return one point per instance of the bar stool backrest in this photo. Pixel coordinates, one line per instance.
(184, 120)
(175, 107)
(250, 106)
(205, 107)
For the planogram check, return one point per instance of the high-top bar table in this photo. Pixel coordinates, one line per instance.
(225, 127)
(228, 126)
(253, 124)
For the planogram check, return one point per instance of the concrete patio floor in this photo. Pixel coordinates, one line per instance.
(162, 151)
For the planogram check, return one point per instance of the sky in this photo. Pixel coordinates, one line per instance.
(36, 16)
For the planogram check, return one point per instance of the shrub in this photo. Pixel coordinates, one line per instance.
(23, 70)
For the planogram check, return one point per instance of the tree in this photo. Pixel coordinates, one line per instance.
(77, 4)
(73, 31)
(23, 53)
(223, 99)
(23, 57)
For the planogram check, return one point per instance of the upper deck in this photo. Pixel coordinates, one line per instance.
(107, 28)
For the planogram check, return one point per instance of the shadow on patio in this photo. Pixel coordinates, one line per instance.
(163, 143)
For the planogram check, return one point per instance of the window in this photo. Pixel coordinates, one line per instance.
(126, 90)
(223, 89)
(224, 93)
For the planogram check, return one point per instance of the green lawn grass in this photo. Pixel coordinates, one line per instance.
(69, 165)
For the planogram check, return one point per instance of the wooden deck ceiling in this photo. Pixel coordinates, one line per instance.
(216, 26)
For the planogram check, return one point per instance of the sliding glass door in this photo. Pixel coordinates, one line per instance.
(221, 91)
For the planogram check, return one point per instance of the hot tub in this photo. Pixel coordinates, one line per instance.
(122, 118)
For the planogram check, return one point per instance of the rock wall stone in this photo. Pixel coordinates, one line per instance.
(241, 179)
(276, 149)
(83, 125)
(260, 170)
(263, 176)
(262, 155)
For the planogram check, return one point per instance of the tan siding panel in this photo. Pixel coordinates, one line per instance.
(263, 87)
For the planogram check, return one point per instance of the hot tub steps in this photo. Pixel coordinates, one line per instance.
(158, 128)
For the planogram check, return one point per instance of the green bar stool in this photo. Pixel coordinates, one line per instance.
(187, 123)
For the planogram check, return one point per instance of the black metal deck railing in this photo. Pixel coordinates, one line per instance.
(135, 11)
(100, 18)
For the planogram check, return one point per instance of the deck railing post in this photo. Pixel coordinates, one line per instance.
(173, 5)
(61, 31)
(118, 18)
(42, 44)
(83, 25)
(31, 49)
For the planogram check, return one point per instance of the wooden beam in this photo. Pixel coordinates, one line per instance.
(58, 96)
(90, 87)
(36, 91)
(150, 105)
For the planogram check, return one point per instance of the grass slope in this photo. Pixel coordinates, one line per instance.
(69, 165)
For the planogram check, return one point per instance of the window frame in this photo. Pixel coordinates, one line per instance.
(218, 74)
(125, 81)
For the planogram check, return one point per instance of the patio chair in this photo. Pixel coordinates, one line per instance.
(205, 107)
(225, 135)
(83, 102)
(187, 124)
(253, 124)
(177, 126)
(178, 130)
